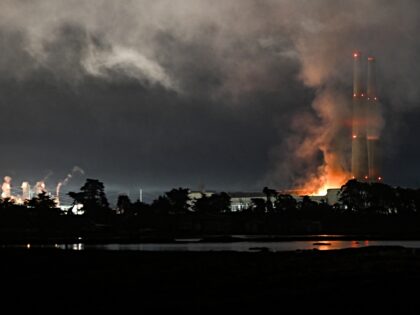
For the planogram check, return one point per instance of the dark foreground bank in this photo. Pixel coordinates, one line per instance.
(352, 281)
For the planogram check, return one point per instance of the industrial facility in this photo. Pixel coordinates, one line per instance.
(366, 123)
(365, 158)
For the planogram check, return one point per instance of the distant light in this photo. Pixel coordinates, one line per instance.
(363, 94)
(379, 178)
(355, 55)
(366, 177)
(28, 245)
(354, 95)
(375, 98)
(354, 137)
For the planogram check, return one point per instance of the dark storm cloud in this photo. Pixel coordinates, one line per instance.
(224, 94)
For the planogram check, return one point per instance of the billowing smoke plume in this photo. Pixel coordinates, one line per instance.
(6, 187)
(75, 169)
(229, 52)
(40, 187)
(130, 62)
(323, 141)
(26, 191)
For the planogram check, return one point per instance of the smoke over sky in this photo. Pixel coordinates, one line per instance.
(231, 94)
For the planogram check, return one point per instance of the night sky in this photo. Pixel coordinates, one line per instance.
(202, 94)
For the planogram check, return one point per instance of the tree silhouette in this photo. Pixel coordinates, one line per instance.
(382, 198)
(307, 205)
(285, 203)
(269, 193)
(161, 206)
(138, 208)
(258, 205)
(6, 202)
(178, 200)
(123, 204)
(42, 201)
(221, 202)
(216, 203)
(203, 204)
(92, 197)
(406, 200)
(354, 195)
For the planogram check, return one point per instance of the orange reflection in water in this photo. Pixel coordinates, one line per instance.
(338, 244)
(329, 245)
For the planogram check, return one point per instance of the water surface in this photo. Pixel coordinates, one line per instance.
(195, 245)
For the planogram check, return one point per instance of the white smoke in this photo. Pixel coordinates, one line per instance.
(26, 191)
(6, 187)
(247, 41)
(75, 169)
(128, 61)
(40, 187)
(246, 37)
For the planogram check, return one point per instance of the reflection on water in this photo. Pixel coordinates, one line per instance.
(249, 246)
(244, 246)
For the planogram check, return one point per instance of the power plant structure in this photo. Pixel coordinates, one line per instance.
(366, 123)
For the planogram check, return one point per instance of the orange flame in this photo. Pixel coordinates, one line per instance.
(326, 136)
(330, 175)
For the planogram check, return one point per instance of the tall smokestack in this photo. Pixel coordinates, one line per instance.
(359, 161)
(374, 123)
(371, 86)
(357, 74)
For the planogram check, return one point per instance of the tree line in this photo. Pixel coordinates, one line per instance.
(354, 197)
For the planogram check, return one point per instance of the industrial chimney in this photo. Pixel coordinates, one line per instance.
(359, 161)
(374, 123)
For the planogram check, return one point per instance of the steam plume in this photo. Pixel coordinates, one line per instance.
(243, 47)
(6, 187)
(76, 169)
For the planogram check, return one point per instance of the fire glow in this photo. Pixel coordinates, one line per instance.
(366, 128)
(329, 176)
(323, 138)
